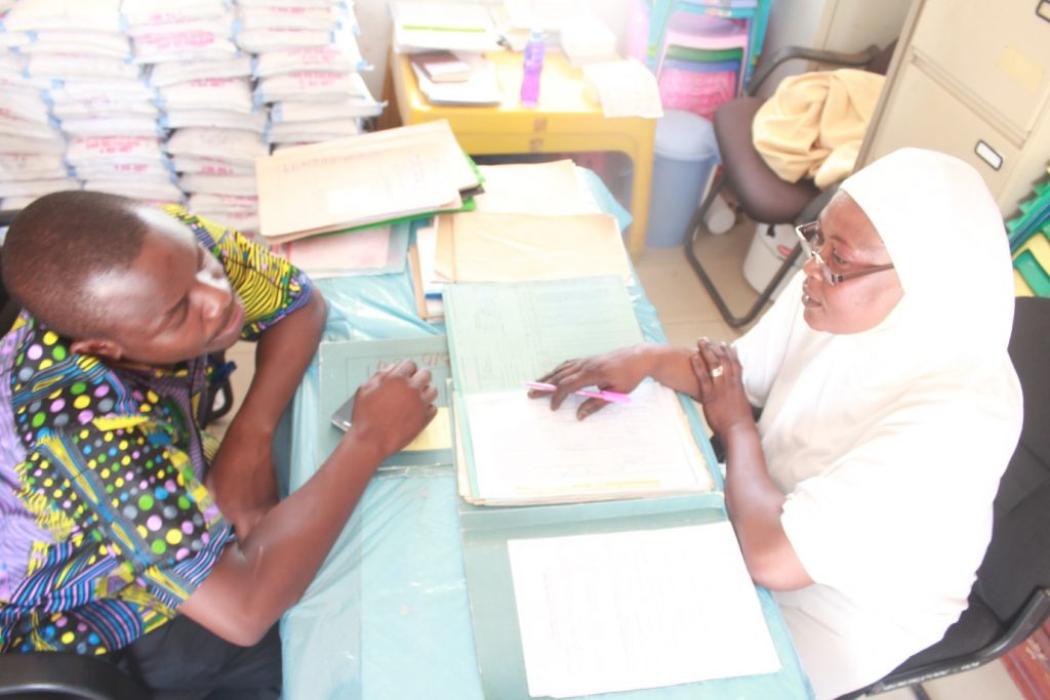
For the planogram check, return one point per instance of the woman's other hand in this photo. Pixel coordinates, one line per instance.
(619, 370)
(717, 370)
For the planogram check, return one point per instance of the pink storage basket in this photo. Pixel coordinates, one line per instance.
(697, 92)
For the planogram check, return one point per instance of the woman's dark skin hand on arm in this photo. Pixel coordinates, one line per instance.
(754, 501)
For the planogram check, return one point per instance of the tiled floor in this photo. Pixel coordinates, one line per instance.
(687, 313)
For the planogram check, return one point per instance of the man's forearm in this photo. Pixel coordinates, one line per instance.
(755, 504)
(259, 578)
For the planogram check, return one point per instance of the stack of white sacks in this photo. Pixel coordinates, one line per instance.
(307, 63)
(171, 100)
(203, 87)
(79, 52)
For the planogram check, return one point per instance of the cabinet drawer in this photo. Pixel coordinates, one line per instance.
(1000, 52)
(922, 113)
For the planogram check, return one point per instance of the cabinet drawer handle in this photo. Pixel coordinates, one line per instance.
(988, 154)
(1043, 10)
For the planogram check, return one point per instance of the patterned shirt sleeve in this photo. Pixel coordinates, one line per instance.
(132, 526)
(270, 286)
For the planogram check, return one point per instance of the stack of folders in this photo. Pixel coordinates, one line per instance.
(504, 240)
(366, 180)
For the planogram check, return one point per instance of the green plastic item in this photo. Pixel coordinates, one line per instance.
(1033, 273)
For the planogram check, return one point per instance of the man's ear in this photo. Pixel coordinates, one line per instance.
(99, 347)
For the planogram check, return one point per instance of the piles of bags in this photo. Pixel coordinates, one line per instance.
(97, 96)
(171, 100)
(307, 63)
(203, 86)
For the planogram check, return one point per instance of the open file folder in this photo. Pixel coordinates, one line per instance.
(513, 450)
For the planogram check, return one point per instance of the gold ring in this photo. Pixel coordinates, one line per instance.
(717, 372)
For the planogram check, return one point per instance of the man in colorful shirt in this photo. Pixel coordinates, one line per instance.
(116, 512)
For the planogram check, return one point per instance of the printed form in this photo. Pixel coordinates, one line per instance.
(620, 611)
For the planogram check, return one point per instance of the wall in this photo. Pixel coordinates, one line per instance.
(836, 25)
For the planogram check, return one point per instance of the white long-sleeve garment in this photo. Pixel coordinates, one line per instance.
(890, 443)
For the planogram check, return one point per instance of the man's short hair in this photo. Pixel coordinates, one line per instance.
(58, 244)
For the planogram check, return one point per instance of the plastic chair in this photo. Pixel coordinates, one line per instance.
(762, 195)
(1011, 597)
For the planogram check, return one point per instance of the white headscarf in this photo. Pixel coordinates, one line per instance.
(945, 235)
(890, 443)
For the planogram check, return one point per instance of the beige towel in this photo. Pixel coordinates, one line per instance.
(814, 124)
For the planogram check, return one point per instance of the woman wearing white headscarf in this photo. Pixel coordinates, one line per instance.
(863, 495)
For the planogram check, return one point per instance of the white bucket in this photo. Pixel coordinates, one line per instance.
(769, 248)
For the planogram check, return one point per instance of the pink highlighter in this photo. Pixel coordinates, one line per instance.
(610, 396)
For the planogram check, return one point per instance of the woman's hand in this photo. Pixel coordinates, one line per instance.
(717, 370)
(619, 370)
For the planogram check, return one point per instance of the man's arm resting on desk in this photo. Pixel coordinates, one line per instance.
(262, 575)
(242, 476)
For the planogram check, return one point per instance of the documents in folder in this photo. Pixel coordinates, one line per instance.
(556, 188)
(512, 450)
(346, 365)
(360, 180)
(373, 251)
(602, 613)
(482, 247)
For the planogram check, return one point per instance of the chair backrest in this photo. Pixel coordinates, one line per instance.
(881, 62)
(9, 308)
(1018, 558)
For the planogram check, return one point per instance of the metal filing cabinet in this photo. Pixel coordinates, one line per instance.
(972, 78)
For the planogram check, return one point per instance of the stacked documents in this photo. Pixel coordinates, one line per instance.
(502, 240)
(362, 180)
(426, 26)
(513, 450)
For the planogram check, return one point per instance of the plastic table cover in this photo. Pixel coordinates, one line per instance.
(388, 614)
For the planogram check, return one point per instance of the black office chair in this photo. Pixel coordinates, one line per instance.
(1011, 597)
(760, 192)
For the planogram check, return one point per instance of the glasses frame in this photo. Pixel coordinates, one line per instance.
(812, 229)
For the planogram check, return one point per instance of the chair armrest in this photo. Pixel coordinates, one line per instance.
(788, 53)
(1032, 615)
(72, 674)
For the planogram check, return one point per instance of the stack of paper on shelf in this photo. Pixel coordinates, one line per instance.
(426, 26)
(478, 87)
(378, 177)
(512, 450)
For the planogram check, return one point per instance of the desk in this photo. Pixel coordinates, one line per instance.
(568, 120)
(387, 616)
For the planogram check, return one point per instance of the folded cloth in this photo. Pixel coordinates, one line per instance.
(814, 124)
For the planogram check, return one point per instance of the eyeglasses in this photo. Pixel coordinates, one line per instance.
(812, 239)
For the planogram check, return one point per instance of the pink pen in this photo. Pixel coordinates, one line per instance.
(610, 396)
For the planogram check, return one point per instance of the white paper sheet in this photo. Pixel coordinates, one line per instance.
(625, 88)
(523, 451)
(622, 611)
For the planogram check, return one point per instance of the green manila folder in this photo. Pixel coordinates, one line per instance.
(346, 365)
